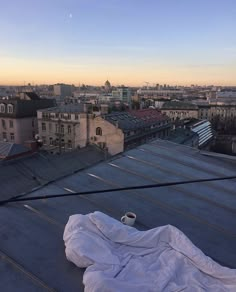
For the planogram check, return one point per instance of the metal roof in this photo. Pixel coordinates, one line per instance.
(8, 149)
(22, 175)
(67, 108)
(31, 245)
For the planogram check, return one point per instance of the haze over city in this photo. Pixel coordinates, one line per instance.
(127, 42)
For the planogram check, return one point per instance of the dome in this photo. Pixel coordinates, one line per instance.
(107, 84)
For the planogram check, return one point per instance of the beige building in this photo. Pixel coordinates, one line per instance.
(223, 111)
(18, 117)
(177, 110)
(69, 127)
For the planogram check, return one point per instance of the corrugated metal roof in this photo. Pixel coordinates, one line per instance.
(31, 244)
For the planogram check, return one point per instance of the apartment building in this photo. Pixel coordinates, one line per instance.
(177, 110)
(18, 117)
(74, 126)
(140, 126)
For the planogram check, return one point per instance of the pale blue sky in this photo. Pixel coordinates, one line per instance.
(127, 41)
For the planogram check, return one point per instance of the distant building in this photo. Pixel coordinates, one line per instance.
(159, 93)
(107, 86)
(18, 117)
(223, 112)
(177, 110)
(62, 90)
(74, 126)
(123, 94)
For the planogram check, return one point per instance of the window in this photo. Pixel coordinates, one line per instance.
(4, 124)
(4, 135)
(10, 108)
(62, 129)
(69, 116)
(2, 108)
(76, 116)
(98, 131)
(43, 127)
(51, 141)
(69, 144)
(44, 140)
(69, 129)
(11, 124)
(12, 136)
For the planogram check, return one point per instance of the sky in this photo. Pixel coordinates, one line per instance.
(178, 42)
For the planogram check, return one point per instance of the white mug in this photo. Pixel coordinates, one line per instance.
(129, 218)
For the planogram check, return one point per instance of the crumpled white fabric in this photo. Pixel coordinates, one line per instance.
(121, 258)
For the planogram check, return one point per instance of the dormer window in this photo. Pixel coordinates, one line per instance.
(2, 108)
(10, 108)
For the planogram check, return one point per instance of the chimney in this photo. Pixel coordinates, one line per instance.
(87, 107)
(31, 145)
(104, 109)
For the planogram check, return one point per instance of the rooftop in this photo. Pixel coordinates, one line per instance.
(136, 119)
(179, 105)
(149, 115)
(22, 175)
(31, 244)
(181, 135)
(68, 108)
(8, 149)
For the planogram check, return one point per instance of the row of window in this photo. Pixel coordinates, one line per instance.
(6, 108)
(65, 116)
(11, 124)
(59, 128)
(180, 113)
(62, 129)
(57, 142)
(4, 136)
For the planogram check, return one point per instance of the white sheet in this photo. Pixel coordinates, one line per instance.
(121, 258)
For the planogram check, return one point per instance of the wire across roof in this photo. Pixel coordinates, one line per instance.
(204, 212)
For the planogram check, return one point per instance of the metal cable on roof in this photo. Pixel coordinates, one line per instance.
(20, 199)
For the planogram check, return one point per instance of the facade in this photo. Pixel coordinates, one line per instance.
(156, 93)
(18, 118)
(223, 111)
(69, 127)
(123, 94)
(177, 110)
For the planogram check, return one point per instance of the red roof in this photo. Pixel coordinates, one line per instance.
(149, 115)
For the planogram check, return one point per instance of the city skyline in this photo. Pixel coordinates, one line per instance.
(173, 42)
